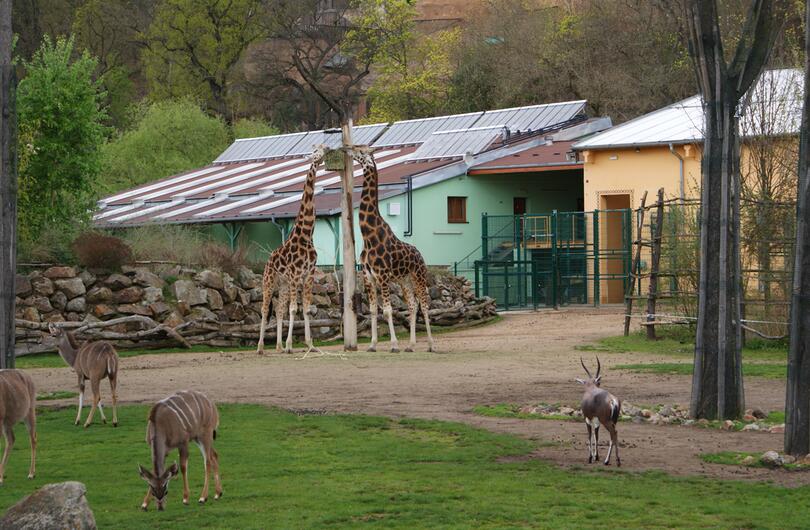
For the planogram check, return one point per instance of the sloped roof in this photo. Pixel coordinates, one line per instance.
(550, 156)
(772, 107)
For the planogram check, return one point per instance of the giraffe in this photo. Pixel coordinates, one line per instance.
(292, 265)
(386, 259)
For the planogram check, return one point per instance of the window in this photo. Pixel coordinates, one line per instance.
(456, 209)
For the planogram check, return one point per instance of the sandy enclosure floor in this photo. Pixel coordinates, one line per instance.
(525, 358)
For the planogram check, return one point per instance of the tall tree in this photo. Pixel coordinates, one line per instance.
(797, 402)
(717, 384)
(8, 189)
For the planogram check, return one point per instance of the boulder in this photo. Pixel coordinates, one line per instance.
(566, 411)
(229, 291)
(242, 296)
(758, 413)
(134, 309)
(59, 300)
(129, 295)
(248, 279)
(728, 425)
(210, 279)
(42, 303)
(751, 427)
(748, 460)
(87, 277)
(54, 316)
(99, 294)
(183, 308)
(666, 411)
(779, 429)
(146, 278)
(62, 505)
(255, 294)
(152, 294)
(187, 291)
(788, 459)
(214, 299)
(31, 314)
(77, 305)
(749, 417)
(22, 286)
(72, 287)
(235, 312)
(174, 319)
(103, 311)
(59, 272)
(117, 281)
(201, 313)
(42, 286)
(771, 459)
(321, 301)
(74, 317)
(159, 308)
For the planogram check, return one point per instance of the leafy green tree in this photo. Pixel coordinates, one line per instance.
(169, 137)
(252, 128)
(61, 133)
(194, 48)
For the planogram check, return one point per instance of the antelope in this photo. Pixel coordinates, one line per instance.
(17, 402)
(93, 361)
(599, 407)
(185, 416)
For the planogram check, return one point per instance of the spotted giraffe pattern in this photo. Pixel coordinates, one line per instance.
(292, 266)
(385, 259)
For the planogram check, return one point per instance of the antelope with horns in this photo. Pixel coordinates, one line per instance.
(173, 422)
(17, 401)
(599, 407)
(93, 361)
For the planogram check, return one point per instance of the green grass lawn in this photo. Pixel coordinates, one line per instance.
(285, 471)
(769, 371)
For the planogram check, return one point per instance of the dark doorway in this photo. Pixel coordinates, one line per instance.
(519, 205)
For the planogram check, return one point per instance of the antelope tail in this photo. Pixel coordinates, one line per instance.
(615, 410)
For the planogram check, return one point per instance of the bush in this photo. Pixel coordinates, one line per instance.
(100, 251)
(175, 243)
(219, 256)
(52, 245)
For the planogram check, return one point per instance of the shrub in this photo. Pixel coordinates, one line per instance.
(175, 243)
(52, 245)
(100, 251)
(219, 256)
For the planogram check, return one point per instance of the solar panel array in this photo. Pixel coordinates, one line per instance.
(532, 118)
(417, 131)
(450, 144)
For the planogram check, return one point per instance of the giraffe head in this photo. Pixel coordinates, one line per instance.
(362, 154)
(318, 154)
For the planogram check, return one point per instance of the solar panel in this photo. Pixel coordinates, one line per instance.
(455, 143)
(532, 118)
(417, 131)
(260, 148)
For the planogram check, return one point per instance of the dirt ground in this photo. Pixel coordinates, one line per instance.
(524, 358)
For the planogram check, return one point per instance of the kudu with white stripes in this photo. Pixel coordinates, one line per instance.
(173, 422)
(93, 360)
(17, 402)
(599, 407)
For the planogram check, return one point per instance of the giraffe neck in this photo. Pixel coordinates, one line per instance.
(305, 221)
(369, 197)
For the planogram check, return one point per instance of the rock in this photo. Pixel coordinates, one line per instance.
(235, 312)
(72, 287)
(435, 293)
(242, 296)
(145, 278)
(22, 286)
(688, 422)
(527, 409)
(187, 291)
(152, 294)
(77, 305)
(135, 309)
(779, 429)
(788, 459)
(255, 294)
(758, 413)
(248, 279)
(748, 460)
(42, 286)
(656, 419)
(201, 313)
(74, 317)
(117, 281)
(749, 417)
(42, 303)
(183, 308)
(210, 279)
(214, 299)
(103, 311)
(321, 301)
(728, 425)
(751, 427)
(55, 316)
(159, 308)
(31, 314)
(646, 413)
(129, 295)
(566, 411)
(252, 318)
(59, 300)
(62, 505)
(703, 422)
(87, 277)
(174, 319)
(99, 294)
(60, 272)
(666, 411)
(771, 459)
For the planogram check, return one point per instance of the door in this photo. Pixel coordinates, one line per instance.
(612, 246)
(519, 205)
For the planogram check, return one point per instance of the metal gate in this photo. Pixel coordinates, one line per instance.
(554, 259)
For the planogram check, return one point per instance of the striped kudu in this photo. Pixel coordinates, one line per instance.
(599, 407)
(174, 422)
(17, 402)
(93, 361)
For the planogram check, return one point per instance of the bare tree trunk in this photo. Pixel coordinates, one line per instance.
(717, 385)
(347, 226)
(8, 189)
(797, 401)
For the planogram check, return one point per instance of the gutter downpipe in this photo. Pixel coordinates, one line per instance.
(280, 228)
(409, 194)
(680, 164)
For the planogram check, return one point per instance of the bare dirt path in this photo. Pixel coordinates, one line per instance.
(524, 358)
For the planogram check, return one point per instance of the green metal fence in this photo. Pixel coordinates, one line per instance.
(554, 259)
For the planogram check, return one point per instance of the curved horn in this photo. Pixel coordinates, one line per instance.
(585, 367)
(598, 367)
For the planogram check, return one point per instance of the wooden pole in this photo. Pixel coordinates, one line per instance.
(8, 189)
(347, 226)
(655, 263)
(634, 271)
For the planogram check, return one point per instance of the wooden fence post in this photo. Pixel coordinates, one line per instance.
(654, 265)
(634, 270)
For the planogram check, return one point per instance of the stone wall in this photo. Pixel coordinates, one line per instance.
(205, 306)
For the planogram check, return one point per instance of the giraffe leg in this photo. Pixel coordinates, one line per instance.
(267, 296)
(388, 313)
(407, 292)
(420, 285)
(281, 307)
(293, 310)
(371, 290)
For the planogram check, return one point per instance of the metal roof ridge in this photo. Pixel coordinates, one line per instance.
(471, 129)
(536, 105)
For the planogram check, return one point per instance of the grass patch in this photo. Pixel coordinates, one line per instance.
(510, 410)
(59, 394)
(316, 471)
(768, 371)
(732, 458)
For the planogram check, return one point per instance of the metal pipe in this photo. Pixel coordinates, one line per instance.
(280, 228)
(680, 164)
(409, 193)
